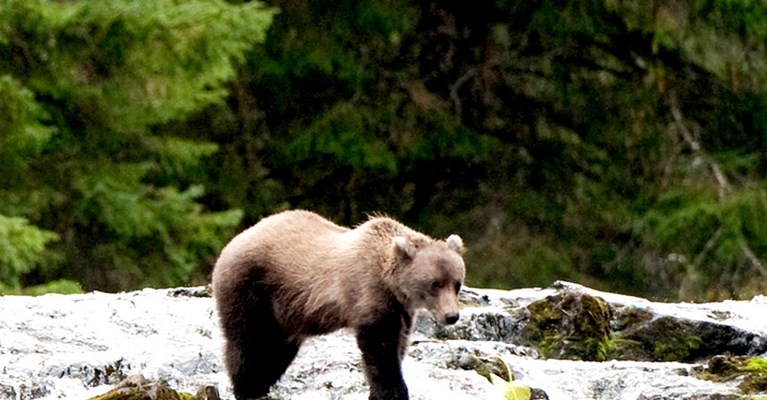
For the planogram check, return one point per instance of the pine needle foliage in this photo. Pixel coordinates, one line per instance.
(618, 143)
(91, 172)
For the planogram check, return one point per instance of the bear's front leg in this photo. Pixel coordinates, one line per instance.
(381, 345)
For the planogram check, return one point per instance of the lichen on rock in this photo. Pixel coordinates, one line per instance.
(484, 366)
(569, 325)
(668, 338)
(663, 339)
(136, 387)
(751, 372)
(573, 324)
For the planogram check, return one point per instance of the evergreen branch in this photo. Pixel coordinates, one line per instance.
(716, 169)
(746, 249)
(707, 247)
(457, 85)
(724, 187)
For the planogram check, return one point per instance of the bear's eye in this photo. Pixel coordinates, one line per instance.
(436, 285)
(457, 287)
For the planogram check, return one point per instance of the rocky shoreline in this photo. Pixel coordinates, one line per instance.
(564, 342)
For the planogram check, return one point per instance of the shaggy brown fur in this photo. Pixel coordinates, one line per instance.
(296, 274)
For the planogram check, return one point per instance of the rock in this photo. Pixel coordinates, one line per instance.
(569, 325)
(208, 393)
(136, 387)
(83, 346)
(750, 372)
(569, 321)
(668, 338)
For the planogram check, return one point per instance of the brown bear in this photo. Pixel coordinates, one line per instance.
(296, 274)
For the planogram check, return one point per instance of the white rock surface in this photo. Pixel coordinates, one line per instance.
(78, 346)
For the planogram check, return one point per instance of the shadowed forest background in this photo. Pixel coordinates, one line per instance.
(620, 144)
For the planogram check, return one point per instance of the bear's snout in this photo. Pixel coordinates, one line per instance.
(451, 318)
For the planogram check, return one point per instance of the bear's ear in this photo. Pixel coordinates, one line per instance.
(455, 243)
(405, 248)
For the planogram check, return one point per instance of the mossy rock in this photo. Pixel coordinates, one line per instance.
(489, 366)
(153, 392)
(484, 366)
(569, 325)
(136, 387)
(642, 335)
(673, 339)
(662, 339)
(626, 317)
(751, 371)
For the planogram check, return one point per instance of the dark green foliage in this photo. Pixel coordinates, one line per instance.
(555, 137)
(88, 88)
(620, 144)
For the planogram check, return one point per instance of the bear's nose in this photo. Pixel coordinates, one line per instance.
(451, 318)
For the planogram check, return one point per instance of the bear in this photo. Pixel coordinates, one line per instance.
(295, 274)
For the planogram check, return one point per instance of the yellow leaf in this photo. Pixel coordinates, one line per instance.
(511, 390)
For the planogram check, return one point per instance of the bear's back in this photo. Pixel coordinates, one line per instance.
(290, 240)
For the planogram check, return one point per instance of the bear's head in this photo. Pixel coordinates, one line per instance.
(429, 274)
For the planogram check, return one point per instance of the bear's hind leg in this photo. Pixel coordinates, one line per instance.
(257, 352)
(257, 365)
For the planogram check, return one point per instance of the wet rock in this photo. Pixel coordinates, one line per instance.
(7, 392)
(136, 387)
(208, 393)
(201, 291)
(569, 325)
(83, 346)
(492, 326)
(669, 338)
(750, 373)
(568, 321)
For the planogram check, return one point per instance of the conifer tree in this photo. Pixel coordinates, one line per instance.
(94, 187)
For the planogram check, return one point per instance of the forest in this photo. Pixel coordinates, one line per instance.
(618, 144)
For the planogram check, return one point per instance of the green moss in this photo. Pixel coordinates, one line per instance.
(605, 348)
(676, 347)
(661, 339)
(570, 325)
(139, 393)
(138, 388)
(756, 364)
(754, 383)
(751, 370)
(484, 368)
